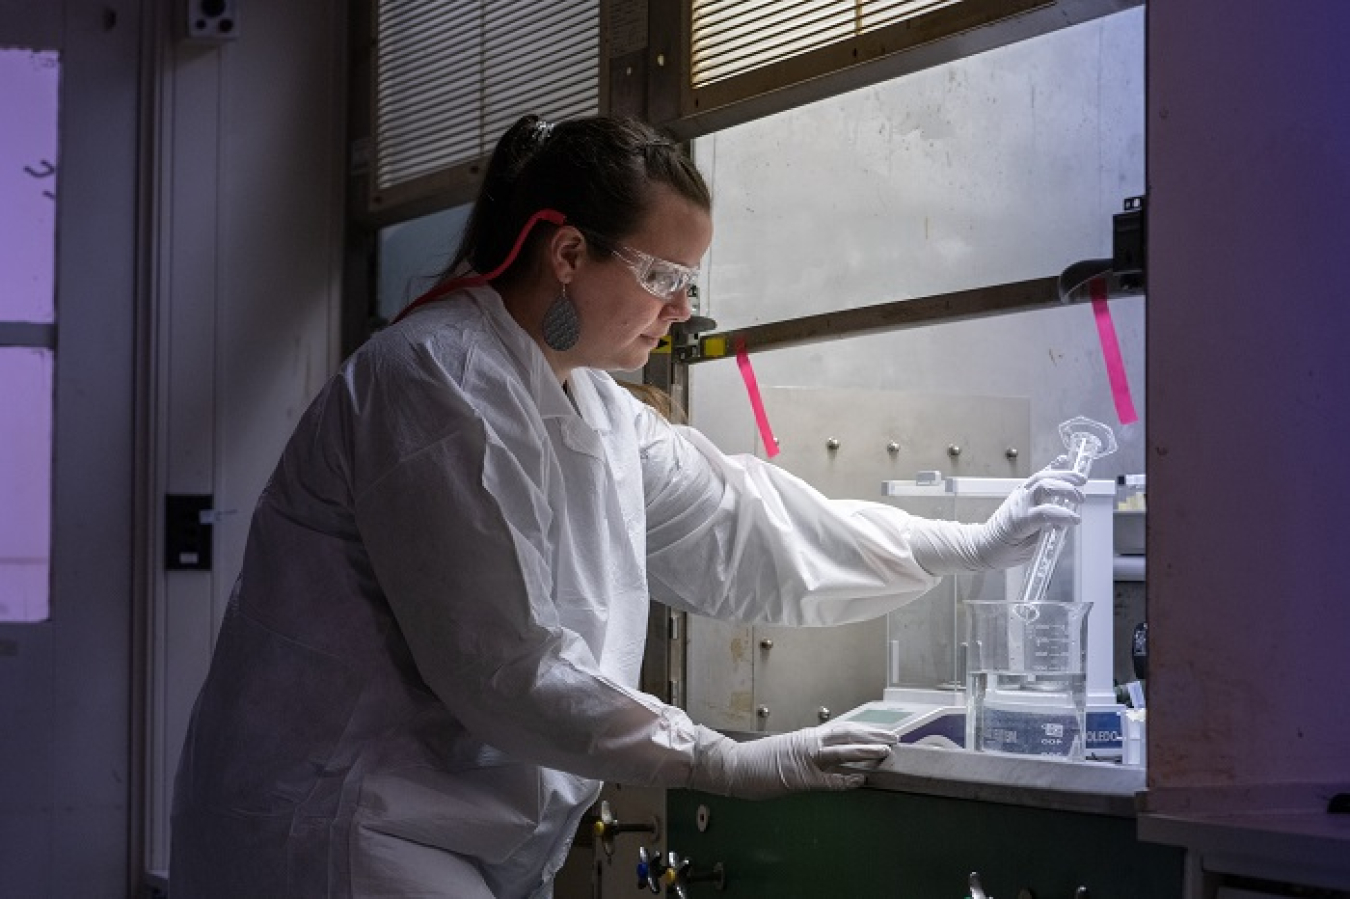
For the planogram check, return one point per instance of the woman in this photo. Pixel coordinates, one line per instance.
(430, 658)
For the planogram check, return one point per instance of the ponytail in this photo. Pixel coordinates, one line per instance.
(489, 232)
(596, 171)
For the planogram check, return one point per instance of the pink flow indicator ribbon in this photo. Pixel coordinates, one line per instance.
(1115, 364)
(756, 400)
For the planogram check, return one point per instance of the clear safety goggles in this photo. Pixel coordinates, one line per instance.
(659, 277)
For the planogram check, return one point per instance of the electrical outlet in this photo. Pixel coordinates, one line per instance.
(214, 21)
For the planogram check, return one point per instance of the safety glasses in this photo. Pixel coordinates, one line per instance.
(659, 277)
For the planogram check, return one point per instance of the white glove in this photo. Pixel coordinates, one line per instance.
(786, 763)
(1047, 498)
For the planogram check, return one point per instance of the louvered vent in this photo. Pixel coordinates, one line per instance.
(452, 75)
(732, 37)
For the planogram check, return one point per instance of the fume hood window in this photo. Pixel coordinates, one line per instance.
(28, 98)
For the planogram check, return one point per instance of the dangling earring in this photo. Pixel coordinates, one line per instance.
(562, 325)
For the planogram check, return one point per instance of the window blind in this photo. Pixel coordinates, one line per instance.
(452, 75)
(732, 37)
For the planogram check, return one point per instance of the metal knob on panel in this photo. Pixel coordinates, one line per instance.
(679, 873)
(674, 873)
(649, 870)
(607, 827)
(976, 890)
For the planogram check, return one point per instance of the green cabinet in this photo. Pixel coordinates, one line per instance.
(878, 843)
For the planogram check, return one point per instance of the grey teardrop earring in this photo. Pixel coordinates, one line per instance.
(562, 325)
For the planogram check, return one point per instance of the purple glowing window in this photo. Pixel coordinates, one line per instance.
(28, 178)
(25, 482)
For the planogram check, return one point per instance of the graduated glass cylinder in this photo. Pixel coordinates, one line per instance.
(1083, 449)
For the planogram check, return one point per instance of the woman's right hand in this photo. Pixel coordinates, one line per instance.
(787, 763)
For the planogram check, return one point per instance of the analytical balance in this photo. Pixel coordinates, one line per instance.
(924, 701)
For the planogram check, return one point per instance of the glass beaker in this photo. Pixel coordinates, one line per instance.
(1026, 677)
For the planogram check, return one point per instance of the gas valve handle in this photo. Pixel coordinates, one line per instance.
(679, 873)
(977, 890)
(649, 870)
(607, 827)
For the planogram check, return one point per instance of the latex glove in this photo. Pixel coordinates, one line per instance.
(787, 763)
(1009, 537)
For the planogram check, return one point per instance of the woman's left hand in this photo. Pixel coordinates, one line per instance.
(1047, 498)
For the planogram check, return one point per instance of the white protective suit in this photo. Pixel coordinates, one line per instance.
(431, 655)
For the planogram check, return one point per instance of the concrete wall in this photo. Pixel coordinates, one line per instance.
(998, 168)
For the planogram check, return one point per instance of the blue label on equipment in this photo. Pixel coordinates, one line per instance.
(1103, 731)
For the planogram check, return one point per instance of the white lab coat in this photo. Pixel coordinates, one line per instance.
(431, 656)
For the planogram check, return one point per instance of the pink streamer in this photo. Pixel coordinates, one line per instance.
(1115, 364)
(756, 401)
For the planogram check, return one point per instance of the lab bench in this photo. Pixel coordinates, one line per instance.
(923, 823)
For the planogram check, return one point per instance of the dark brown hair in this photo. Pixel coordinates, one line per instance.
(597, 171)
